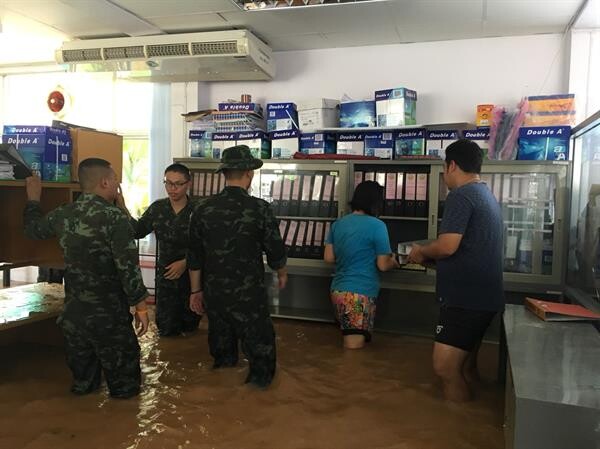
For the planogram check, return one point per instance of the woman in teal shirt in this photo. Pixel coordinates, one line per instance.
(359, 245)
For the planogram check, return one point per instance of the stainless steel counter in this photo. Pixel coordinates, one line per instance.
(553, 383)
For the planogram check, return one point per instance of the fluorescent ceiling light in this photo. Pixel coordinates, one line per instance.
(273, 5)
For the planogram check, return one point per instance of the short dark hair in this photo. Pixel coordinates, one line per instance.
(91, 171)
(232, 174)
(179, 168)
(466, 154)
(368, 197)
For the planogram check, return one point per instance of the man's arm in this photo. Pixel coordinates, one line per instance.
(274, 247)
(444, 246)
(194, 257)
(126, 260)
(36, 225)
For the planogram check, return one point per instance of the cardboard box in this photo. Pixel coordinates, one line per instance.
(551, 110)
(221, 141)
(46, 150)
(318, 114)
(351, 143)
(281, 116)
(396, 107)
(380, 145)
(257, 141)
(103, 145)
(357, 114)
(543, 143)
(484, 115)
(317, 143)
(284, 144)
(481, 137)
(200, 143)
(438, 141)
(410, 142)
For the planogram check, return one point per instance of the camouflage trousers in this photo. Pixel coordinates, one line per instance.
(250, 323)
(173, 314)
(103, 347)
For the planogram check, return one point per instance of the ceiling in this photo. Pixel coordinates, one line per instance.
(385, 22)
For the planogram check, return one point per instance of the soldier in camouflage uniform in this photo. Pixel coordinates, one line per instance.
(169, 218)
(102, 281)
(228, 234)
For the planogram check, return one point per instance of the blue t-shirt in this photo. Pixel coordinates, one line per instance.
(357, 241)
(472, 277)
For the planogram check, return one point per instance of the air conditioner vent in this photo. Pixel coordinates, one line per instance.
(88, 54)
(167, 50)
(214, 48)
(136, 51)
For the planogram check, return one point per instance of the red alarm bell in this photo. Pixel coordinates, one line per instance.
(56, 101)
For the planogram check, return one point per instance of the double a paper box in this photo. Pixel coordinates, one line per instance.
(281, 116)
(481, 137)
(351, 143)
(438, 141)
(380, 145)
(357, 114)
(254, 108)
(317, 143)
(544, 143)
(220, 141)
(47, 151)
(284, 144)
(396, 107)
(257, 141)
(410, 142)
(318, 114)
(200, 143)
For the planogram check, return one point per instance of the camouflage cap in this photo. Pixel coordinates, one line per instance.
(238, 158)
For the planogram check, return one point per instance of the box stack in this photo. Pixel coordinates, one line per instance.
(46, 150)
(232, 117)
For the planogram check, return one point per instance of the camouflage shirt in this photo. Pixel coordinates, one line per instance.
(171, 229)
(102, 275)
(228, 234)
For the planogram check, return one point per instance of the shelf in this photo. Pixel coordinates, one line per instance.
(387, 217)
(45, 184)
(290, 217)
(436, 126)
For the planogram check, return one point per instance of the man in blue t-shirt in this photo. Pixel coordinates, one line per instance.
(468, 254)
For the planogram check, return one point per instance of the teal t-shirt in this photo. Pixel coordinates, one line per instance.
(357, 241)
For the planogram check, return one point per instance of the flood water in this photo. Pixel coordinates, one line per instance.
(323, 397)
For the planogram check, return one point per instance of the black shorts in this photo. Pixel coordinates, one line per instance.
(462, 328)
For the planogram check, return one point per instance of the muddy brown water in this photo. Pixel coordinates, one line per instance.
(323, 397)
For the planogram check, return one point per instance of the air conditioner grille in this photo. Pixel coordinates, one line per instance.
(136, 51)
(168, 50)
(89, 54)
(214, 48)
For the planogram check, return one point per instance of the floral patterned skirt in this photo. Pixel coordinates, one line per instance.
(355, 312)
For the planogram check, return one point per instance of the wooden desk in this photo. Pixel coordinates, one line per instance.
(30, 303)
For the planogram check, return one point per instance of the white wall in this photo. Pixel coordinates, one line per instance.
(585, 72)
(450, 77)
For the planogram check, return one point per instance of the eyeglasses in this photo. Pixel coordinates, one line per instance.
(174, 185)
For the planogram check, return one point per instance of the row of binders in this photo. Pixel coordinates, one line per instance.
(304, 195)
(207, 183)
(304, 239)
(406, 193)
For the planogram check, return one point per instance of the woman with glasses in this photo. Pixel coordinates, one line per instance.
(169, 219)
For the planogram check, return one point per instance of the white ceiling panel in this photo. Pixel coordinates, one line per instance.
(162, 8)
(387, 22)
(191, 22)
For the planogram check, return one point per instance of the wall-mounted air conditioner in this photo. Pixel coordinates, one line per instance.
(208, 56)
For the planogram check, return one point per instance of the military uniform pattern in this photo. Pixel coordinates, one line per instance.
(173, 314)
(102, 280)
(229, 232)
